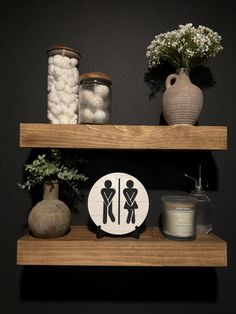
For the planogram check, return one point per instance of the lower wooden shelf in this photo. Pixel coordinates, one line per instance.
(81, 247)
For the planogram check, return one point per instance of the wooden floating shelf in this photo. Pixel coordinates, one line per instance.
(81, 247)
(123, 136)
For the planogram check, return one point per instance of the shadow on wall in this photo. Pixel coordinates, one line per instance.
(160, 172)
(157, 170)
(118, 284)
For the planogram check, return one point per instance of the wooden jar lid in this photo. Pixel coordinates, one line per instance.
(95, 75)
(63, 50)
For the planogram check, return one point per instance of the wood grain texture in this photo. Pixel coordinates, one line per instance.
(123, 136)
(81, 247)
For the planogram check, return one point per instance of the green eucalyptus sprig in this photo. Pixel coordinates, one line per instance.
(54, 165)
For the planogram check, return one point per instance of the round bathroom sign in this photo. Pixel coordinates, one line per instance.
(118, 203)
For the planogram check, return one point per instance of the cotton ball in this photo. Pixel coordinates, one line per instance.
(86, 116)
(100, 116)
(66, 98)
(56, 110)
(52, 97)
(86, 96)
(102, 90)
(97, 102)
(50, 82)
(75, 89)
(74, 119)
(60, 85)
(65, 63)
(64, 120)
(64, 110)
(57, 60)
(69, 73)
(55, 121)
(50, 61)
(68, 89)
(106, 103)
(56, 100)
(75, 75)
(51, 69)
(50, 115)
(50, 78)
(70, 113)
(73, 98)
(66, 59)
(71, 82)
(73, 106)
(73, 62)
(51, 105)
(58, 71)
(53, 88)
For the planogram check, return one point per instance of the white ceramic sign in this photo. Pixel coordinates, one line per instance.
(118, 203)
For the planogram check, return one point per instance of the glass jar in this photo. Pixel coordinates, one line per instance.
(94, 98)
(63, 85)
(179, 217)
(204, 217)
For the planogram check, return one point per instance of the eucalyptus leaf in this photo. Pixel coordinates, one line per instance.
(54, 165)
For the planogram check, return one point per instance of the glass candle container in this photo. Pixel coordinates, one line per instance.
(63, 85)
(179, 217)
(94, 98)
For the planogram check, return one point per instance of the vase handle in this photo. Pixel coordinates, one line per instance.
(169, 79)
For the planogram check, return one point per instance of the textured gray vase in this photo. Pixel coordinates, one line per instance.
(49, 218)
(182, 101)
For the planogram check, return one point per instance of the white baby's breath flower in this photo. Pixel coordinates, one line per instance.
(185, 47)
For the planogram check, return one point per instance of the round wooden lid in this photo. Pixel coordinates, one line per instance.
(64, 50)
(95, 75)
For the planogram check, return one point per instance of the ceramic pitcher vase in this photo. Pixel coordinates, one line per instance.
(49, 218)
(182, 101)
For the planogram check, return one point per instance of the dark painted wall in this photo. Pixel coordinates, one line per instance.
(112, 36)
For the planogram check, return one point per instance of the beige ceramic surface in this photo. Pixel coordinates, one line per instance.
(182, 101)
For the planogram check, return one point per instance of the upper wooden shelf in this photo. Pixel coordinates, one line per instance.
(123, 136)
(81, 247)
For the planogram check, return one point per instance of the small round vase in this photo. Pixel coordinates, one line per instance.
(182, 101)
(49, 218)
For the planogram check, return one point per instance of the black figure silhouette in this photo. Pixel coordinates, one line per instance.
(107, 194)
(130, 193)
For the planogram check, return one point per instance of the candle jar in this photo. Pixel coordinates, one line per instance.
(94, 98)
(63, 85)
(179, 217)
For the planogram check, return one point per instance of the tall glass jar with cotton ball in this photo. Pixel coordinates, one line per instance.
(94, 98)
(63, 85)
